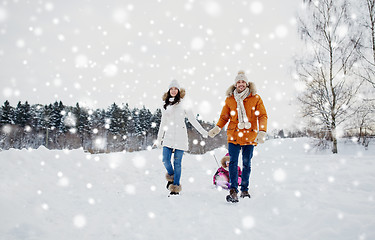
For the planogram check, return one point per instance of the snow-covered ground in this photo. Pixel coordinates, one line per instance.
(296, 194)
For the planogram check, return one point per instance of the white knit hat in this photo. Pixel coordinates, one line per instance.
(175, 84)
(240, 76)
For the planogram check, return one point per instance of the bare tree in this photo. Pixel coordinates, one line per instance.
(364, 117)
(367, 71)
(326, 66)
(361, 125)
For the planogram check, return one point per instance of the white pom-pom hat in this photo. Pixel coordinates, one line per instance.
(175, 84)
(240, 76)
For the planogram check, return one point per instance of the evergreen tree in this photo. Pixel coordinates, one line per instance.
(56, 117)
(22, 114)
(136, 129)
(37, 112)
(44, 122)
(116, 119)
(82, 120)
(145, 120)
(155, 122)
(127, 117)
(97, 119)
(7, 114)
(82, 124)
(130, 124)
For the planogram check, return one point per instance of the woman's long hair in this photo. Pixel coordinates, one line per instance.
(177, 99)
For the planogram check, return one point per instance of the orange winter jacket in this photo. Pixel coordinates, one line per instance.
(255, 112)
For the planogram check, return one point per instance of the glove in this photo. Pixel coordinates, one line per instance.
(205, 134)
(260, 137)
(213, 132)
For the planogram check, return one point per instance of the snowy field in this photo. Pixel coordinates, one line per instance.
(296, 194)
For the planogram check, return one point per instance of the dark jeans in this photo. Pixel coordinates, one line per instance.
(247, 154)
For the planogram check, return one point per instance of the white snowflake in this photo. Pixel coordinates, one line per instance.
(256, 7)
(279, 175)
(139, 161)
(3, 15)
(281, 31)
(197, 43)
(248, 222)
(213, 8)
(130, 189)
(79, 221)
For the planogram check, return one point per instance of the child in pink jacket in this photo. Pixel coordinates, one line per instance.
(221, 177)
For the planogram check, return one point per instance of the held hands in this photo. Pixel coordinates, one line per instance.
(261, 137)
(213, 132)
(205, 134)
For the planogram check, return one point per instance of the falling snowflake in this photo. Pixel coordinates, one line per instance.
(248, 222)
(110, 70)
(81, 61)
(197, 44)
(79, 221)
(63, 182)
(139, 161)
(213, 9)
(45, 206)
(281, 31)
(119, 15)
(279, 175)
(297, 194)
(3, 15)
(115, 161)
(331, 179)
(49, 6)
(256, 7)
(151, 215)
(70, 120)
(100, 143)
(130, 189)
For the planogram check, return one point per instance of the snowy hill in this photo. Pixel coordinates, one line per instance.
(296, 194)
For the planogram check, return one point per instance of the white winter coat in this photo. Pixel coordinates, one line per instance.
(172, 132)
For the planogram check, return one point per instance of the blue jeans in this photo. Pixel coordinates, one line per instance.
(177, 159)
(247, 154)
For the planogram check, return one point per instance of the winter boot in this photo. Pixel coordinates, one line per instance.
(169, 179)
(245, 194)
(232, 197)
(175, 189)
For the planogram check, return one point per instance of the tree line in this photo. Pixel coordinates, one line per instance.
(118, 128)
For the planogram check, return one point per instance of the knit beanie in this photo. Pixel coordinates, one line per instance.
(175, 84)
(240, 76)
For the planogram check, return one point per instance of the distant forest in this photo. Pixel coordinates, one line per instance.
(118, 128)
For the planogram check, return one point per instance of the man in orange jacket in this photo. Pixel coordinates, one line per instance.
(243, 109)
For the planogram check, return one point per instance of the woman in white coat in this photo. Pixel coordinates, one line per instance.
(172, 135)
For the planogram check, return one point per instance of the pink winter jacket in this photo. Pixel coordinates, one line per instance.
(223, 175)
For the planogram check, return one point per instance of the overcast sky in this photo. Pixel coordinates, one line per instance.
(100, 52)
